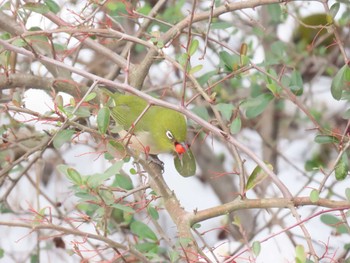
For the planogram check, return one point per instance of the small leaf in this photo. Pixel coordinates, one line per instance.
(255, 106)
(153, 212)
(97, 179)
(321, 139)
(114, 169)
(90, 96)
(36, 7)
(231, 62)
(59, 101)
(142, 230)
(334, 9)
(147, 247)
(183, 59)
(257, 176)
(116, 149)
(226, 110)
(206, 77)
(342, 167)
(243, 50)
(103, 118)
(329, 220)
(193, 47)
(256, 247)
(340, 82)
(195, 69)
(62, 137)
(74, 176)
(196, 226)
(300, 255)
(236, 125)
(53, 6)
(185, 164)
(83, 112)
(202, 112)
(123, 181)
(297, 85)
(334, 222)
(314, 196)
(275, 12)
(124, 208)
(274, 88)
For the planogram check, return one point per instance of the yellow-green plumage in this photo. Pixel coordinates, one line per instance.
(307, 34)
(157, 131)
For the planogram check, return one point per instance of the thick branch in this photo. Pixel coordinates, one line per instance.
(239, 204)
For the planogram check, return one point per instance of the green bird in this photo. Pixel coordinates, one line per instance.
(154, 131)
(311, 30)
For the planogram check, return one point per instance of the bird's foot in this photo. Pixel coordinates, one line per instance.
(152, 158)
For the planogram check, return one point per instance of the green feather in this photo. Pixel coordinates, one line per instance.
(153, 127)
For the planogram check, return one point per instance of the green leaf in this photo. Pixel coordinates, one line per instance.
(201, 111)
(185, 164)
(174, 256)
(74, 176)
(124, 208)
(334, 222)
(257, 176)
(255, 106)
(300, 255)
(340, 82)
(193, 47)
(275, 12)
(54, 8)
(195, 69)
(314, 196)
(123, 181)
(83, 112)
(226, 110)
(103, 118)
(90, 96)
(236, 125)
(231, 62)
(34, 258)
(142, 230)
(114, 169)
(147, 247)
(342, 167)
(183, 59)
(36, 7)
(196, 226)
(97, 179)
(116, 149)
(297, 86)
(153, 212)
(321, 139)
(334, 9)
(206, 77)
(256, 247)
(2, 253)
(274, 88)
(62, 137)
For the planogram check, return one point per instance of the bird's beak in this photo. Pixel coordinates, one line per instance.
(181, 148)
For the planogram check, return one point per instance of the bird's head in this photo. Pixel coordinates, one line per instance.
(170, 131)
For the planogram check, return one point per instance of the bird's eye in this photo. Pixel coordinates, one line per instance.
(169, 135)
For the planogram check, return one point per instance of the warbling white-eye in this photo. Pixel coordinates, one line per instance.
(157, 130)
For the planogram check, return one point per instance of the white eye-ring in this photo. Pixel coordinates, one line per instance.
(169, 135)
